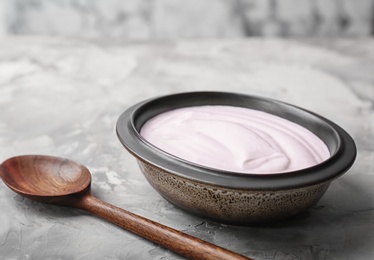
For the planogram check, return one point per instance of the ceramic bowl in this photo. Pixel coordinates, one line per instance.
(231, 197)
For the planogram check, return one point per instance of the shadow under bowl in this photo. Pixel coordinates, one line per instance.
(232, 197)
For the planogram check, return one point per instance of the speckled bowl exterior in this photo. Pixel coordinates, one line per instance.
(228, 205)
(231, 197)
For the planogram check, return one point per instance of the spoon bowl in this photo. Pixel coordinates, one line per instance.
(45, 177)
(64, 182)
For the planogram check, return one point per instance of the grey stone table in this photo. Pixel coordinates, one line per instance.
(62, 97)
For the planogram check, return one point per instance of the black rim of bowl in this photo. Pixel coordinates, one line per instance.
(341, 145)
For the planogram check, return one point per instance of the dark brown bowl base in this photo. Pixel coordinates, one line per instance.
(231, 206)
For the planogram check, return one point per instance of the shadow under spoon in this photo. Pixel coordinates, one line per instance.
(63, 182)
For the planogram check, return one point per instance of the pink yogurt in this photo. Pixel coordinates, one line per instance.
(235, 139)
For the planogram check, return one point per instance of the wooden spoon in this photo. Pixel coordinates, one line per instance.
(63, 182)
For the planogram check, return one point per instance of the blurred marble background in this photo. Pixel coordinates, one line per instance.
(159, 19)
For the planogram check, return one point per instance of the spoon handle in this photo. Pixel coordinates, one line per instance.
(181, 243)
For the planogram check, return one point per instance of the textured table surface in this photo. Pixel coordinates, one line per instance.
(63, 97)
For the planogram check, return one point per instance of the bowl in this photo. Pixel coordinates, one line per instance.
(232, 197)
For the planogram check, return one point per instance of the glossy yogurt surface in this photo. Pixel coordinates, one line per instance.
(235, 139)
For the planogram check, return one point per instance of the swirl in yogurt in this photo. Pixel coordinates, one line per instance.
(235, 139)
